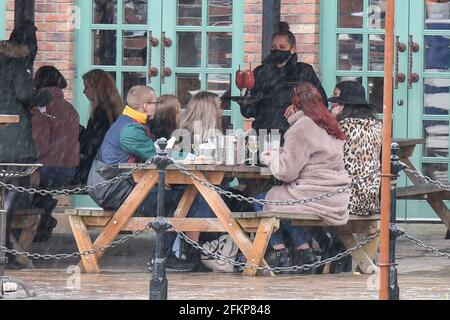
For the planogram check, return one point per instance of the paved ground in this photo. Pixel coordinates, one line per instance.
(421, 276)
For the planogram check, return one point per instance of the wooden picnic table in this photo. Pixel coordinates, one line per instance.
(8, 119)
(147, 179)
(434, 195)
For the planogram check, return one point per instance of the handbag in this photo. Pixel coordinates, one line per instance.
(224, 246)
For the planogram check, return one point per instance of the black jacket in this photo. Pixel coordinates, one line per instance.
(90, 141)
(276, 87)
(16, 95)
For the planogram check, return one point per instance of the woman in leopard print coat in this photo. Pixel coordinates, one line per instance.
(362, 149)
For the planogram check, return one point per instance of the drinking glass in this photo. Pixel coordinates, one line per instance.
(252, 146)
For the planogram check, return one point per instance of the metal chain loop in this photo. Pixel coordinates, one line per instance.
(419, 175)
(244, 265)
(79, 190)
(252, 200)
(64, 256)
(420, 243)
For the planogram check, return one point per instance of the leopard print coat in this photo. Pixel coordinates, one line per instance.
(362, 156)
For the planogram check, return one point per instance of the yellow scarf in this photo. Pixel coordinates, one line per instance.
(140, 117)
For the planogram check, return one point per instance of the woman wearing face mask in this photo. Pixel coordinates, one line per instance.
(276, 79)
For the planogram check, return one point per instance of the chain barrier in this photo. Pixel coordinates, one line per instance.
(244, 265)
(43, 192)
(420, 243)
(419, 175)
(64, 256)
(253, 200)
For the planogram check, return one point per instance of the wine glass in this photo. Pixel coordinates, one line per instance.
(252, 146)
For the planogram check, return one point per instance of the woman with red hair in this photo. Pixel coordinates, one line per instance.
(310, 164)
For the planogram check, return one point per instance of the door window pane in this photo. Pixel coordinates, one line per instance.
(220, 47)
(135, 11)
(377, 14)
(104, 47)
(190, 12)
(131, 79)
(220, 12)
(436, 171)
(189, 49)
(436, 96)
(436, 136)
(105, 12)
(134, 48)
(350, 48)
(187, 86)
(437, 55)
(376, 93)
(350, 14)
(219, 84)
(376, 52)
(437, 14)
(357, 79)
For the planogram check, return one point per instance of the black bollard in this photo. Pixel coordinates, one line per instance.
(396, 167)
(158, 284)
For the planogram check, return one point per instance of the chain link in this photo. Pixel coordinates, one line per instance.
(419, 175)
(244, 265)
(78, 190)
(252, 200)
(64, 256)
(420, 243)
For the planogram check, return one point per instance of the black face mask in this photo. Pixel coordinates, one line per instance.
(280, 56)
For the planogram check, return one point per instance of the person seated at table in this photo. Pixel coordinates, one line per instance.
(129, 141)
(55, 132)
(357, 118)
(167, 116)
(310, 164)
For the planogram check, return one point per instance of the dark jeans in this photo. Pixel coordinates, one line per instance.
(299, 235)
(57, 177)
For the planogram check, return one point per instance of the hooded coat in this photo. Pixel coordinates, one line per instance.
(276, 86)
(16, 96)
(310, 164)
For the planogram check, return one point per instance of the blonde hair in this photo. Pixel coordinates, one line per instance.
(205, 109)
(166, 116)
(107, 95)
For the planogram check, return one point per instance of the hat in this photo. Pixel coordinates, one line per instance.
(351, 93)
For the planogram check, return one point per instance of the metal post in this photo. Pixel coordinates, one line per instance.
(158, 284)
(396, 167)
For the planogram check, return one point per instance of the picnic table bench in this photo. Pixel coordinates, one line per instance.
(421, 190)
(238, 225)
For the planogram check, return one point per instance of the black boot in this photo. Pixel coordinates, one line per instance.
(279, 258)
(301, 257)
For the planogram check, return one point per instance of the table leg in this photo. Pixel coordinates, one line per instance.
(438, 205)
(223, 213)
(362, 259)
(88, 263)
(126, 211)
(186, 202)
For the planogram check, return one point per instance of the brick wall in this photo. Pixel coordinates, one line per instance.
(56, 36)
(302, 15)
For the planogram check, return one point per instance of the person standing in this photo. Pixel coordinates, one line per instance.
(275, 81)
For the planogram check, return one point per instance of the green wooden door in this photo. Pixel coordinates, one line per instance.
(429, 92)
(175, 46)
(352, 47)
(2, 19)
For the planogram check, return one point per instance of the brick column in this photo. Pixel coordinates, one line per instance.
(56, 37)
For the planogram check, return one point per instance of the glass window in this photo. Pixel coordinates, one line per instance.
(135, 11)
(189, 12)
(134, 48)
(131, 79)
(220, 12)
(220, 46)
(376, 52)
(104, 47)
(436, 136)
(437, 14)
(105, 11)
(187, 86)
(350, 51)
(189, 49)
(350, 14)
(377, 14)
(436, 96)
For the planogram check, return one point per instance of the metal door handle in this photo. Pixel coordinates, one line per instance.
(399, 47)
(152, 71)
(166, 71)
(414, 47)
